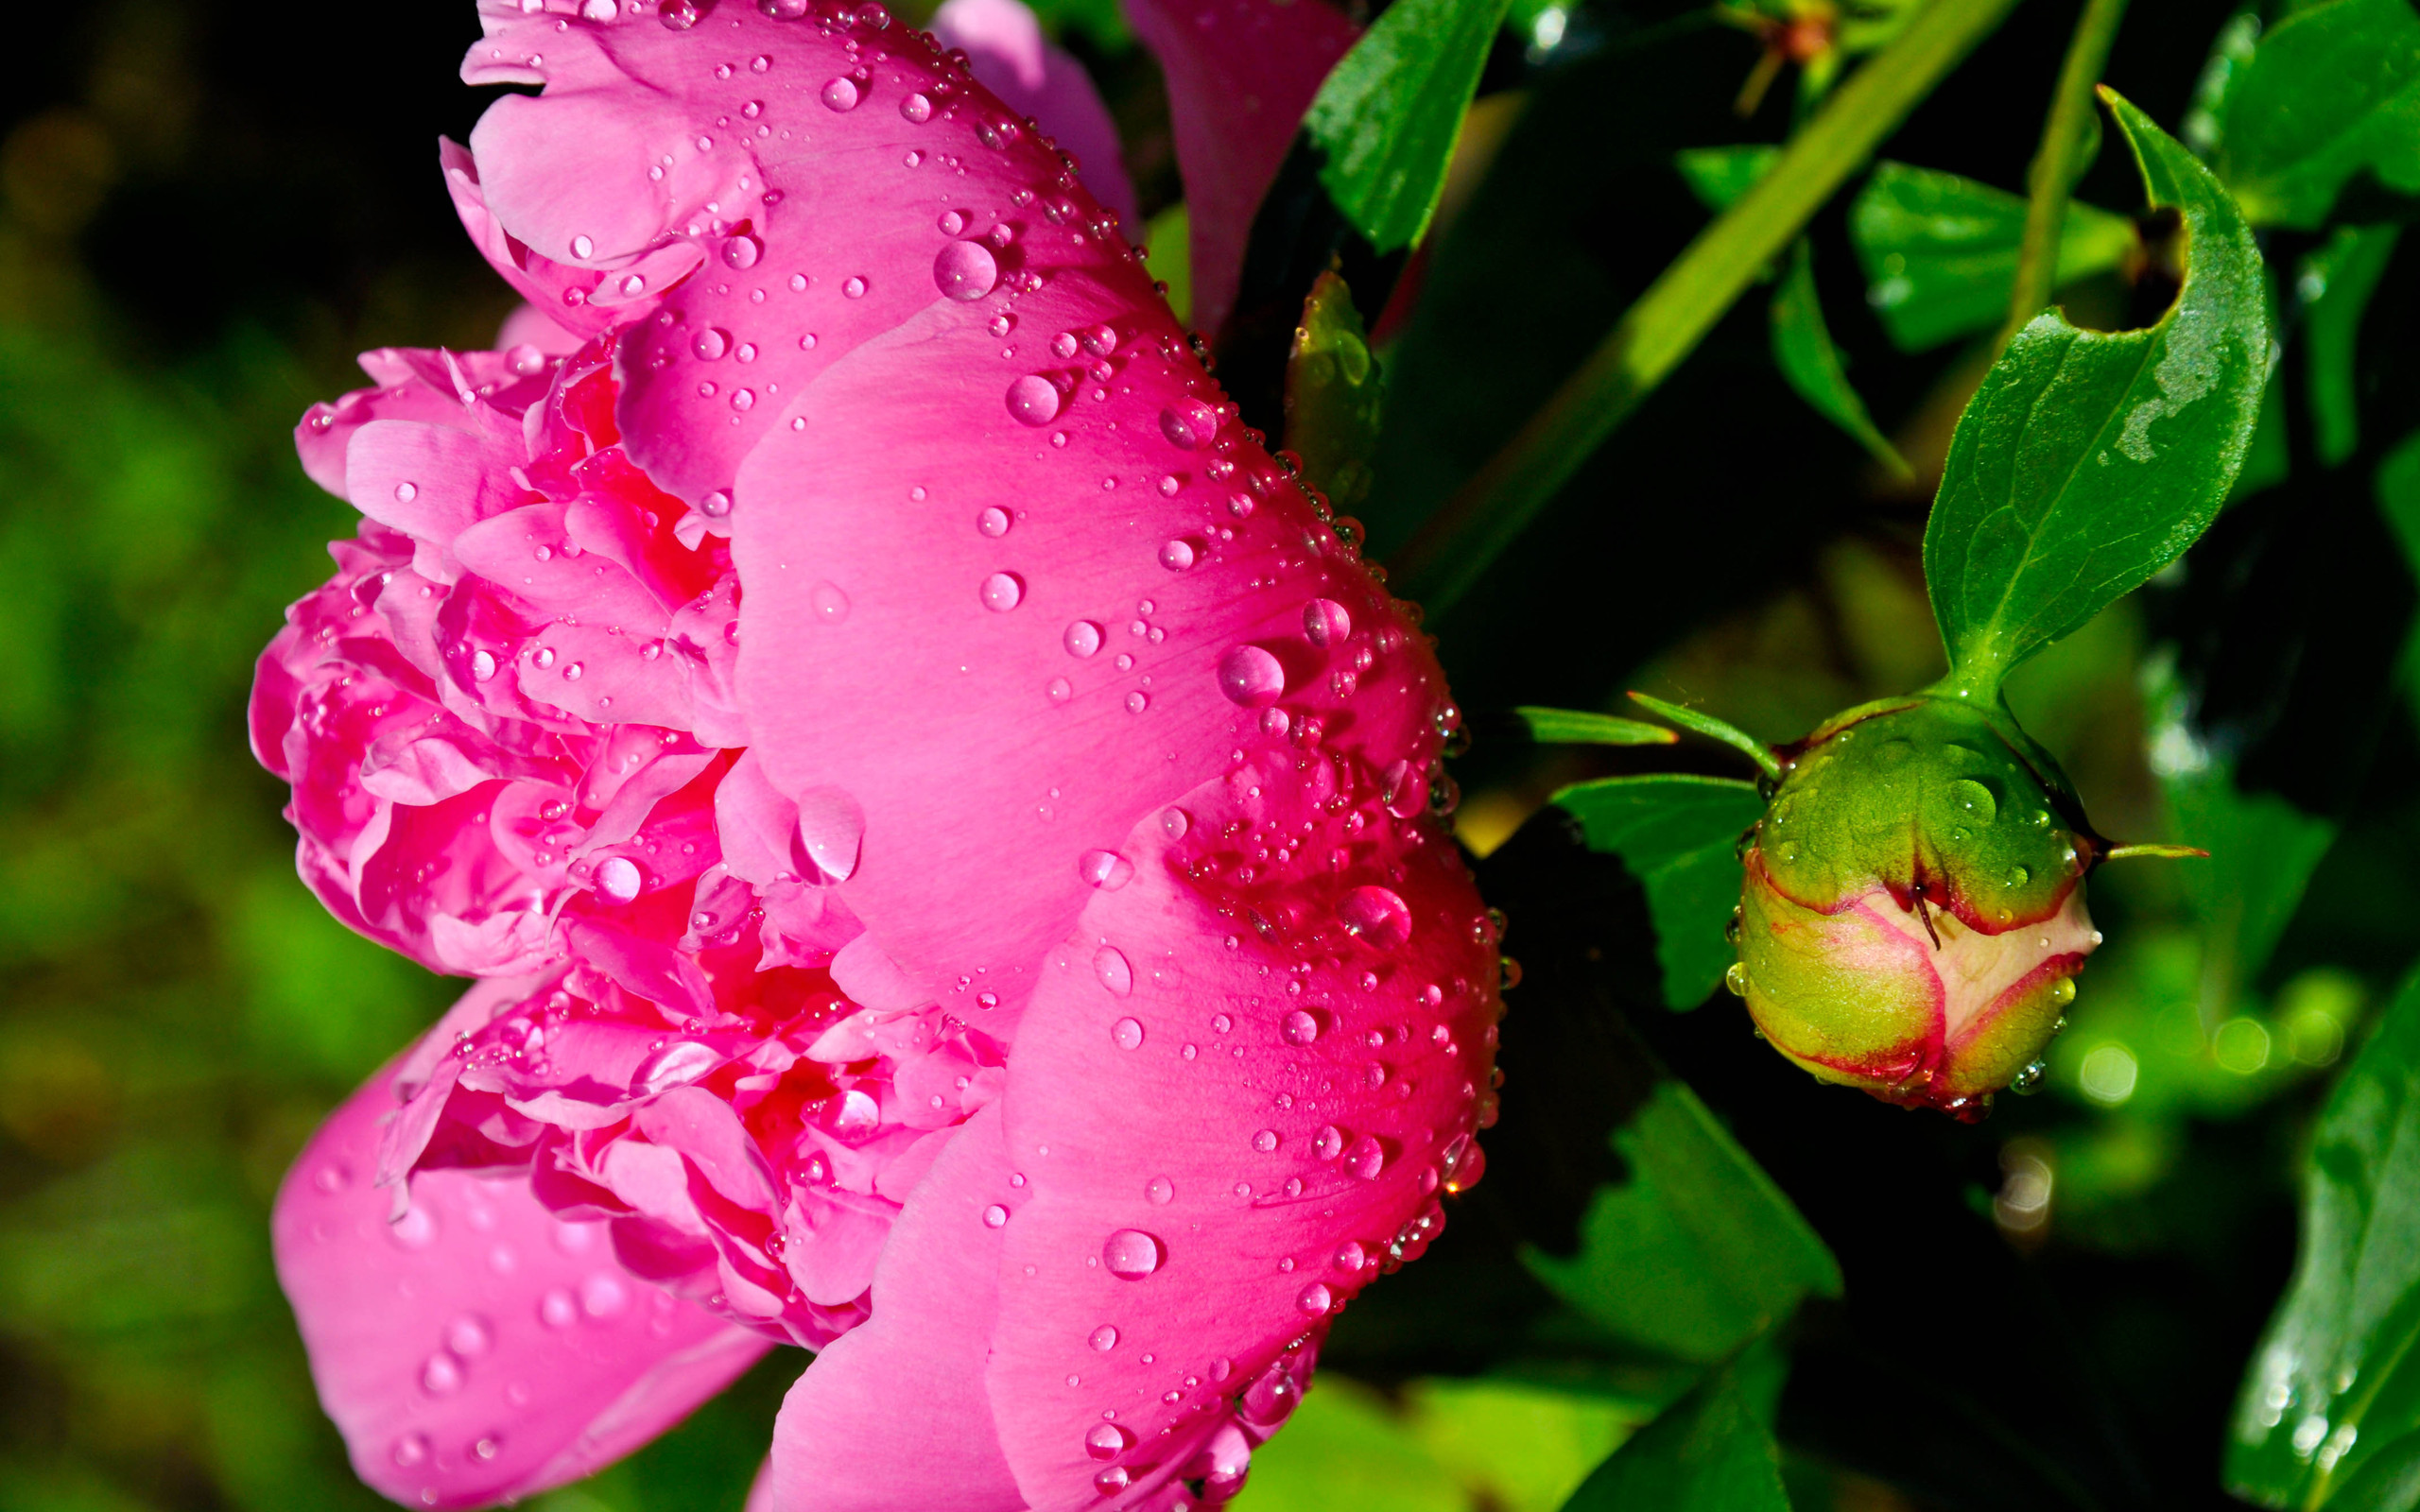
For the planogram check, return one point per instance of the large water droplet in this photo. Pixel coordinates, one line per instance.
(618, 878)
(441, 1375)
(1033, 400)
(711, 343)
(1177, 555)
(1315, 1298)
(992, 521)
(1083, 638)
(1130, 1254)
(840, 94)
(832, 829)
(1109, 965)
(1159, 1192)
(742, 250)
(1351, 1257)
(1127, 1034)
(1366, 1157)
(917, 109)
(559, 1308)
(1325, 622)
(1104, 1338)
(831, 606)
(1189, 424)
(1265, 1142)
(410, 1450)
(1105, 870)
(1174, 822)
(1107, 1440)
(1973, 798)
(1003, 591)
(469, 1337)
(1299, 1027)
(1376, 915)
(995, 1216)
(1329, 1142)
(1251, 677)
(965, 270)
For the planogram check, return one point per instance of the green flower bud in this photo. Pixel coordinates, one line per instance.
(1913, 920)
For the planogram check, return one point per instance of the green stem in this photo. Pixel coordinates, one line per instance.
(1489, 512)
(2057, 163)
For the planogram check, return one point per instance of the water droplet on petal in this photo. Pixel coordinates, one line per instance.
(1003, 591)
(441, 1375)
(410, 1450)
(1251, 677)
(917, 109)
(1174, 822)
(1189, 424)
(559, 1308)
(710, 343)
(714, 506)
(1127, 1034)
(1159, 1192)
(995, 1216)
(840, 94)
(406, 492)
(1130, 1254)
(1328, 1143)
(1034, 400)
(965, 270)
(1299, 1027)
(1314, 1299)
(831, 605)
(1265, 1142)
(618, 878)
(1083, 638)
(853, 287)
(1177, 555)
(1351, 1257)
(1375, 915)
(1325, 622)
(992, 521)
(742, 251)
(1105, 870)
(1104, 1338)
(581, 247)
(1109, 965)
(482, 665)
(1107, 1440)
(1366, 1157)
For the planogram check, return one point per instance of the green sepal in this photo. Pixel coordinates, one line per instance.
(1582, 727)
(1713, 728)
(1334, 394)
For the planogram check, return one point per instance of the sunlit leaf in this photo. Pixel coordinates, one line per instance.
(2088, 460)
(2329, 1414)
(1697, 1252)
(1710, 1451)
(1677, 835)
(1586, 727)
(2332, 91)
(1940, 251)
(1388, 113)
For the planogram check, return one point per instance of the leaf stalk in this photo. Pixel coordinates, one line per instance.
(2058, 162)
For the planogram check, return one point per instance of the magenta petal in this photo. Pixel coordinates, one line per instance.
(891, 1417)
(1240, 74)
(1004, 41)
(1235, 1101)
(479, 1348)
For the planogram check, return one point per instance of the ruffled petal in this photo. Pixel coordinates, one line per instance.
(477, 1348)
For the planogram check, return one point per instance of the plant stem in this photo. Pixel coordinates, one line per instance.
(2057, 163)
(1456, 545)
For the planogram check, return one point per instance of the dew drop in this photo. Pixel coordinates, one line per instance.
(1329, 1142)
(1109, 965)
(1130, 1254)
(1325, 622)
(1174, 822)
(582, 248)
(410, 1450)
(482, 665)
(742, 251)
(917, 109)
(1189, 424)
(1376, 915)
(831, 606)
(1127, 1034)
(1314, 1299)
(1299, 1027)
(1159, 1192)
(1107, 1440)
(1973, 799)
(853, 287)
(441, 1375)
(1251, 677)
(618, 878)
(965, 270)
(1104, 1338)
(1083, 638)
(1002, 591)
(1033, 400)
(1366, 1157)
(840, 94)
(995, 1216)
(406, 492)
(1177, 555)
(1105, 870)
(1351, 1257)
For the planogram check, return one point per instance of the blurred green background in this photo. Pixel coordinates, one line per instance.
(207, 208)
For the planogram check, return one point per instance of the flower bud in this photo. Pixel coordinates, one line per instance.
(1914, 920)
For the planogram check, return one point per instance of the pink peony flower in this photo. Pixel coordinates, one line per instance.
(941, 820)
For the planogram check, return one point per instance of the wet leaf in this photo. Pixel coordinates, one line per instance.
(1582, 727)
(1940, 251)
(1389, 112)
(1713, 1450)
(2332, 91)
(2329, 1414)
(2088, 460)
(1334, 393)
(1677, 835)
(1698, 1252)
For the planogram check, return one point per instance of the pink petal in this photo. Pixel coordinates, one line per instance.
(1035, 79)
(479, 1348)
(893, 1417)
(1230, 1100)
(1240, 74)
(977, 742)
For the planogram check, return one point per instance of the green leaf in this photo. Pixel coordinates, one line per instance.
(2335, 283)
(1333, 395)
(1719, 176)
(1803, 350)
(1940, 251)
(2330, 1405)
(2333, 90)
(1698, 1252)
(2088, 459)
(1580, 727)
(1710, 1451)
(1678, 834)
(1391, 111)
